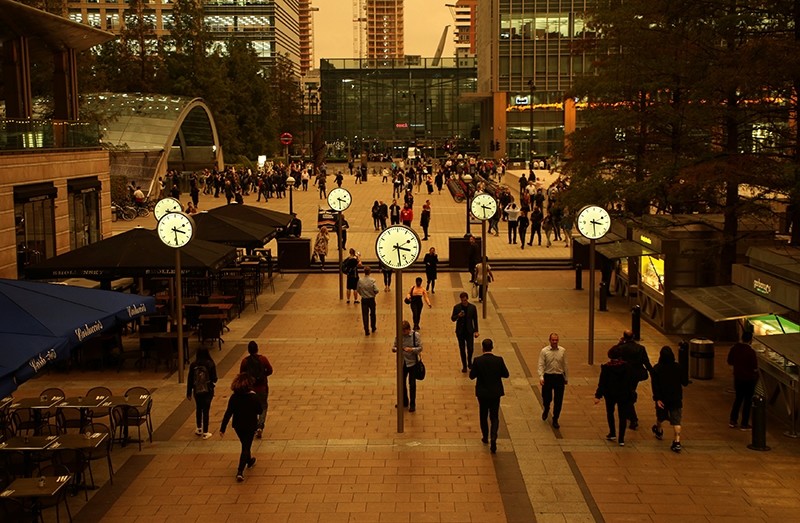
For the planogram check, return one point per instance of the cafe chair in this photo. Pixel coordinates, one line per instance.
(26, 420)
(69, 418)
(102, 452)
(164, 349)
(126, 417)
(76, 462)
(144, 412)
(14, 464)
(211, 329)
(54, 471)
(92, 414)
(52, 392)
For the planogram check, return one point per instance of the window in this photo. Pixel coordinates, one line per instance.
(84, 211)
(34, 220)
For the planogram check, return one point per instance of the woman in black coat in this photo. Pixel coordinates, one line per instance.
(431, 269)
(245, 408)
(200, 382)
(667, 384)
(616, 387)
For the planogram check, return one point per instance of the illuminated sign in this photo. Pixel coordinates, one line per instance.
(521, 100)
(401, 125)
(646, 239)
(761, 287)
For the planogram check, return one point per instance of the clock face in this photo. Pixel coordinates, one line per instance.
(483, 206)
(165, 205)
(175, 229)
(339, 199)
(593, 222)
(397, 247)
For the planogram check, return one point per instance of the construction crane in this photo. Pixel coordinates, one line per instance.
(359, 27)
(440, 48)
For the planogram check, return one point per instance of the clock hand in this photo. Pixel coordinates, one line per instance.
(178, 230)
(402, 248)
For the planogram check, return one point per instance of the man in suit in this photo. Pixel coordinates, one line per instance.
(489, 371)
(465, 315)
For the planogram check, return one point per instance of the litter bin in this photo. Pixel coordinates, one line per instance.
(701, 358)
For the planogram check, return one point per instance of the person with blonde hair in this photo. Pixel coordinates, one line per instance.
(244, 408)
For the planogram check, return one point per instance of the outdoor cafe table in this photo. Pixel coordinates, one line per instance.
(32, 489)
(27, 445)
(82, 403)
(37, 405)
(172, 335)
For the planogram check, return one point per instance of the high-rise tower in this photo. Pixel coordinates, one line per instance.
(384, 29)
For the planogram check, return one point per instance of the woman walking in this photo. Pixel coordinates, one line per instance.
(412, 347)
(415, 298)
(425, 218)
(431, 270)
(245, 408)
(387, 276)
(200, 382)
(668, 395)
(616, 386)
(321, 246)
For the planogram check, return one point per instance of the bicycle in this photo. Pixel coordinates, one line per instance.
(123, 212)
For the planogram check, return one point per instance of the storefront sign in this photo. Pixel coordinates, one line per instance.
(521, 100)
(774, 288)
(761, 287)
(646, 239)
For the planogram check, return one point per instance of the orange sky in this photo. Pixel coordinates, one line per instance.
(424, 22)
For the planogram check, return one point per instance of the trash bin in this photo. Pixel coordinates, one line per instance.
(701, 358)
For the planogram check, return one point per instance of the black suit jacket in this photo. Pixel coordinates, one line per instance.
(468, 324)
(489, 371)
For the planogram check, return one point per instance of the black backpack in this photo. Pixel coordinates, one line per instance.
(202, 380)
(255, 369)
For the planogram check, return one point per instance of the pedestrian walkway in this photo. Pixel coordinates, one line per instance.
(331, 451)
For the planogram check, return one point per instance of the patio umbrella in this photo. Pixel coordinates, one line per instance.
(40, 323)
(233, 231)
(251, 213)
(134, 253)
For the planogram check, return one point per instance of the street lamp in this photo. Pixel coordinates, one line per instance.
(532, 88)
(467, 179)
(290, 182)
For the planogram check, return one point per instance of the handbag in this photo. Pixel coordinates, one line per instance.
(407, 300)
(420, 369)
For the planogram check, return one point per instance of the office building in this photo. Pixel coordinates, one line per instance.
(464, 34)
(384, 29)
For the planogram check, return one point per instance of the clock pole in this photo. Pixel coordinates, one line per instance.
(484, 275)
(398, 307)
(179, 313)
(591, 301)
(340, 249)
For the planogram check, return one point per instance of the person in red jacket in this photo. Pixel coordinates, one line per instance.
(259, 369)
(743, 359)
(407, 215)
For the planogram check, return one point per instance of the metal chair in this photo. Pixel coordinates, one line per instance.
(69, 418)
(55, 471)
(92, 414)
(211, 329)
(101, 452)
(52, 412)
(77, 463)
(25, 420)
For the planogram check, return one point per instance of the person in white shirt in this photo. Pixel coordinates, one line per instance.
(513, 213)
(553, 377)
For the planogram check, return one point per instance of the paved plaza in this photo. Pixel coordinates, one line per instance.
(331, 451)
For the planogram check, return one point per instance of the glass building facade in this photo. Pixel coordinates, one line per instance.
(383, 108)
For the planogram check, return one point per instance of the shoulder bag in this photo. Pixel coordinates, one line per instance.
(420, 366)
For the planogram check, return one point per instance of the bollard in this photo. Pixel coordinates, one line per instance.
(578, 277)
(683, 362)
(636, 322)
(603, 296)
(758, 415)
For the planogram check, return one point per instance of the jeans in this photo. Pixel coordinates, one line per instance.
(466, 346)
(387, 278)
(512, 232)
(416, 310)
(368, 313)
(536, 229)
(202, 404)
(409, 374)
(622, 409)
(745, 389)
(246, 439)
(522, 233)
(489, 407)
(263, 400)
(553, 391)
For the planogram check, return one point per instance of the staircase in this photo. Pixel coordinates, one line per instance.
(528, 264)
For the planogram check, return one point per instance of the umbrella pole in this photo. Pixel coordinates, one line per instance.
(179, 313)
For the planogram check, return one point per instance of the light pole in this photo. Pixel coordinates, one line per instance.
(532, 88)
(467, 179)
(290, 182)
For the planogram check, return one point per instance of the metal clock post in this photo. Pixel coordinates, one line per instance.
(339, 200)
(593, 222)
(483, 207)
(388, 246)
(172, 220)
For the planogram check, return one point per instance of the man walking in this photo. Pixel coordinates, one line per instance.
(553, 377)
(259, 369)
(465, 314)
(635, 355)
(489, 370)
(367, 289)
(743, 359)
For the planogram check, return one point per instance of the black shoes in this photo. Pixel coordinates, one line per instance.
(493, 447)
(611, 436)
(412, 409)
(657, 432)
(555, 424)
(251, 463)
(463, 369)
(634, 425)
(676, 446)
(484, 440)
(545, 413)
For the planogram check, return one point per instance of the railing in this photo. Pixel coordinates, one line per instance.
(21, 134)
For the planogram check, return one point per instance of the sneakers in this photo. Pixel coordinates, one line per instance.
(239, 478)
(251, 463)
(732, 425)
(207, 435)
(621, 443)
(611, 437)
(676, 446)
(745, 427)
(657, 432)
(258, 433)
(198, 431)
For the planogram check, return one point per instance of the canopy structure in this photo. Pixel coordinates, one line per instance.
(727, 302)
(233, 231)
(40, 323)
(251, 213)
(134, 253)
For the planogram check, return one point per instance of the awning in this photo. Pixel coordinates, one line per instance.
(608, 238)
(727, 302)
(787, 345)
(623, 249)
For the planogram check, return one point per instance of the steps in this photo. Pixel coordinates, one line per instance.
(530, 264)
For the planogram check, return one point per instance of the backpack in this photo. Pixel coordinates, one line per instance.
(255, 369)
(202, 381)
